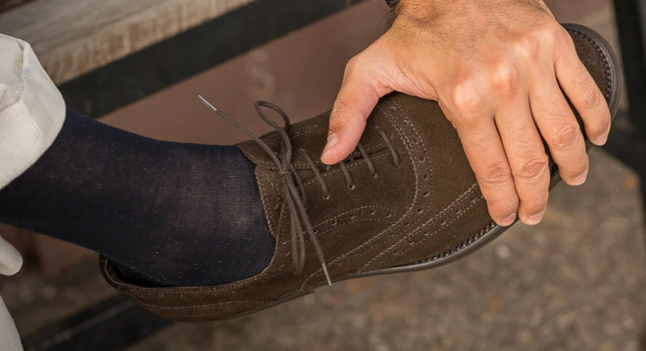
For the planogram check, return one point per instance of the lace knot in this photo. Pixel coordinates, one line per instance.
(295, 197)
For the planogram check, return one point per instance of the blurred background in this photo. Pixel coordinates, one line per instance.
(575, 282)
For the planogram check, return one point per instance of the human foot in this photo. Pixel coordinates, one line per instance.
(167, 214)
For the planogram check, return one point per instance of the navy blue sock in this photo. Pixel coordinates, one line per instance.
(165, 213)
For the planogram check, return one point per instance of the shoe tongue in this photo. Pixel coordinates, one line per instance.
(310, 135)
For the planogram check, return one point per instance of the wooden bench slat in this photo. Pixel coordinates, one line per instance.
(72, 37)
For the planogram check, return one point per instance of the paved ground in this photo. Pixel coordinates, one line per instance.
(576, 282)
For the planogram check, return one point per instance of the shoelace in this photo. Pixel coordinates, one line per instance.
(295, 197)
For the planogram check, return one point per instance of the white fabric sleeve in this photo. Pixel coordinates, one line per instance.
(32, 112)
(9, 338)
(32, 109)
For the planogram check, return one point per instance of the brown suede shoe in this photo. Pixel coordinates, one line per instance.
(405, 200)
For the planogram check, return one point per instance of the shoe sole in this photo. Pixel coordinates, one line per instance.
(492, 231)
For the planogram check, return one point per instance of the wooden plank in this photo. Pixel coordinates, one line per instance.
(190, 52)
(72, 37)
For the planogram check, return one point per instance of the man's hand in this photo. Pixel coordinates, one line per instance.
(497, 68)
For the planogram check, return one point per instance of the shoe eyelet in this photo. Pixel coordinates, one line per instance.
(326, 197)
(334, 222)
(389, 215)
(419, 210)
(372, 212)
(443, 223)
(426, 194)
(422, 159)
(425, 177)
(374, 175)
(352, 216)
(352, 187)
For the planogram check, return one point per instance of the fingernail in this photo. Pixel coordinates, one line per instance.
(580, 179)
(332, 140)
(535, 219)
(603, 139)
(508, 221)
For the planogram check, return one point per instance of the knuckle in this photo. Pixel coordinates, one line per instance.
(575, 169)
(341, 108)
(505, 77)
(496, 174)
(542, 35)
(538, 205)
(598, 128)
(565, 136)
(466, 97)
(546, 32)
(531, 168)
(528, 47)
(340, 118)
(590, 99)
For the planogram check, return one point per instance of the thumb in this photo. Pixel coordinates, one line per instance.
(359, 94)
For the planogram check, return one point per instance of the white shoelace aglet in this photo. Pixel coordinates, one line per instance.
(207, 103)
(327, 275)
